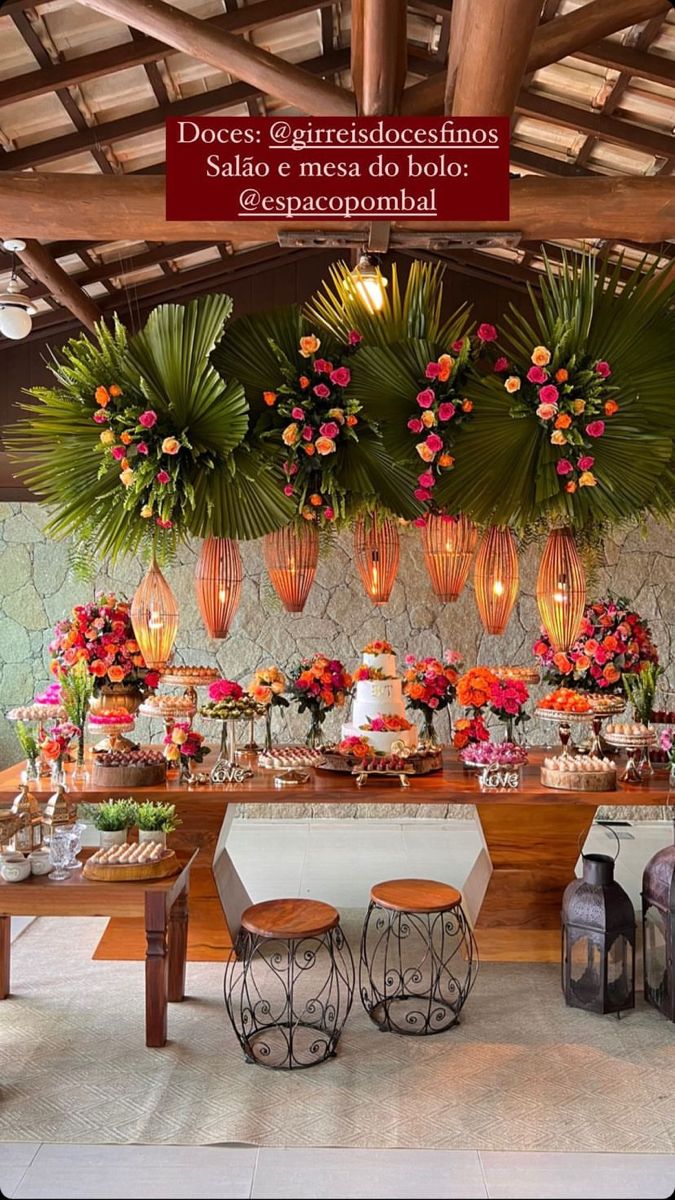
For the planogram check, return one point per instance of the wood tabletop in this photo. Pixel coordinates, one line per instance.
(453, 785)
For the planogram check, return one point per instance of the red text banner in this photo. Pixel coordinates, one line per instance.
(337, 168)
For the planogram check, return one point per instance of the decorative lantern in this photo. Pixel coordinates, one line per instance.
(658, 931)
(218, 583)
(154, 616)
(291, 555)
(27, 810)
(561, 589)
(448, 549)
(377, 551)
(598, 924)
(57, 811)
(496, 578)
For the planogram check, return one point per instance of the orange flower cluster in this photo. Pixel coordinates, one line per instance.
(474, 687)
(566, 700)
(267, 684)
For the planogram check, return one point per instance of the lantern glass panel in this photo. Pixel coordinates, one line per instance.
(585, 960)
(619, 972)
(656, 961)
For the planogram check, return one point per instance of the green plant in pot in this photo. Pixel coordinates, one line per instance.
(112, 819)
(155, 820)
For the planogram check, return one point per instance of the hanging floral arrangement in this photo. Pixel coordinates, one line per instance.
(614, 641)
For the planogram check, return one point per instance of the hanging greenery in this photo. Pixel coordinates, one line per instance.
(141, 440)
(308, 419)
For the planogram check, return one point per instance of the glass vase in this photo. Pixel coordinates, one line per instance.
(508, 730)
(428, 737)
(31, 771)
(314, 735)
(268, 728)
(57, 773)
(79, 774)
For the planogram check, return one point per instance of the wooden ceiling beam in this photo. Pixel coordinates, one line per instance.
(225, 52)
(151, 118)
(59, 284)
(494, 39)
(381, 26)
(630, 61)
(608, 129)
(133, 207)
(143, 50)
(126, 264)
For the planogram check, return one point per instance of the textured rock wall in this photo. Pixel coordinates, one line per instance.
(36, 590)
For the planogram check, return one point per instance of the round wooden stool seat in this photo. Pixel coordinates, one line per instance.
(290, 919)
(415, 895)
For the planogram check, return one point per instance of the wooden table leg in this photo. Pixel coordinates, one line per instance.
(156, 969)
(534, 850)
(5, 951)
(178, 934)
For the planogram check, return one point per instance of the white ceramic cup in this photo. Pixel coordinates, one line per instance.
(15, 871)
(40, 862)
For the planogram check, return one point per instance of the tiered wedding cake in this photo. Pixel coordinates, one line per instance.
(378, 711)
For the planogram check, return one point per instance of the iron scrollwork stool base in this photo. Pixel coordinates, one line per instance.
(418, 957)
(290, 993)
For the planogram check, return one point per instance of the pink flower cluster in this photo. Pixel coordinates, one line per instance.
(508, 697)
(613, 640)
(225, 689)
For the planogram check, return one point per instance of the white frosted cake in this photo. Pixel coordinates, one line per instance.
(378, 711)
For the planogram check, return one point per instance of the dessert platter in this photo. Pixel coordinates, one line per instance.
(169, 709)
(579, 773)
(493, 754)
(521, 674)
(280, 757)
(112, 725)
(190, 678)
(129, 768)
(637, 740)
(130, 861)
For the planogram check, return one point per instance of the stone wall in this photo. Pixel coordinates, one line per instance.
(36, 590)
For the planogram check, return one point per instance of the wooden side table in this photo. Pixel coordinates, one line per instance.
(162, 903)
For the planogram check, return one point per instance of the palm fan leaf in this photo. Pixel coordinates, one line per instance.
(415, 312)
(387, 381)
(242, 499)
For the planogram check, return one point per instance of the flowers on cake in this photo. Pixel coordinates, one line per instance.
(367, 673)
(184, 744)
(613, 640)
(100, 633)
(386, 723)
(357, 747)
(318, 685)
(571, 397)
(379, 646)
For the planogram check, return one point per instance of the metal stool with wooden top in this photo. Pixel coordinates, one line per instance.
(418, 957)
(290, 993)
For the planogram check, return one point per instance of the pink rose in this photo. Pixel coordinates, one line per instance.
(595, 429)
(289, 489)
(426, 479)
(354, 337)
(585, 463)
(415, 425)
(601, 656)
(147, 419)
(162, 477)
(564, 466)
(308, 433)
(548, 394)
(322, 366)
(329, 513)
(330, 429)
(458, 345)
(537, 375)
(487, 333)
(118, 453)
(603, 369)
(100, 416)
(434, 443)
(426, 398)
(502, 364)
(297, 413)
(142, 448)
(223, 689)
(421, 494)
(420, 522)
(446, 411)
(322, 391)
(432, 370)
(341, 376)
(546, 412)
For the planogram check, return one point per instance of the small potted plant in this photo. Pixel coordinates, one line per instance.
(112, 820)
(155, 821)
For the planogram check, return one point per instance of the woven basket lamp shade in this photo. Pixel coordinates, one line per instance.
(448, 549)
(291, 555)
(218, 580)
(377, 551)
(561, 589)
(154, 616)
(496, 578)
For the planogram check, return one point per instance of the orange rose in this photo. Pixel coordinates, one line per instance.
(126, 438)
(446, 460)
(304, 382)
(446, 363)
(309, 345)
(473, 688)
(587, 479)
(170, 445)
(98, 668)
(351, 419)
(563, 421)
(115, 390)
(540, 356)
(428, 419)
(116, 674)
(562, 375)
(512, 384)
(563, 663)
(611, 674)
(324, 445)
(270, 398)
(316, 500)
(583, 662)
(101, 396)
(51, 748)
(611, 407)
(415, 691)
(467, 406)
(570, 486)
(290, 434)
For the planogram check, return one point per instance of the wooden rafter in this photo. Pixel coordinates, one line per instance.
(381, 26)
(609, 129)
(225, 52)
(59, 284)
(497, 34)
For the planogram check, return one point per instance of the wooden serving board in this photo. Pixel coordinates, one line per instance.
(126, 872)
(604, 781)
(128, 777)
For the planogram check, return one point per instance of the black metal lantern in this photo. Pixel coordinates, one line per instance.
(598, 927)
(658, 930)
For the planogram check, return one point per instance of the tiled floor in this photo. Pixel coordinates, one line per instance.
(32, 1172)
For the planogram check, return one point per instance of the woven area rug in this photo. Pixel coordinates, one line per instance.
(521, 1071)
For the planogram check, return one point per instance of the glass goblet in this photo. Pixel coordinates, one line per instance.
(76, 832)
(59, 852)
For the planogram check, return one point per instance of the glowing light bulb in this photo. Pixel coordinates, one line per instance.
(222, 595)
(155, 621)
(498, 587)
(369, 283)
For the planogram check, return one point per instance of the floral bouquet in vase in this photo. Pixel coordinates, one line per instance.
(184, 746)
(508, 698)
(100, 634)
(267, 687)
(614, 640)
(430, 686)
(54, 747)
(474, 691)
(318, 685)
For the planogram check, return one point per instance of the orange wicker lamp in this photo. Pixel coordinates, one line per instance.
(154, 616)
(291, 556)
(496, 578)
(377, 551)
(218, 580)
(448, 549)
(561, 589)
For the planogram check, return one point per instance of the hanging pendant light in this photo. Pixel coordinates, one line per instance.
(368, 282)
(291, 555)
(561, 589)
(377, 551)
(496, 578)
(218, 584)
(154, 617)
(448, 549)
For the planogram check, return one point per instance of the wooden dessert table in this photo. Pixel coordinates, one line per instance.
(531, 845)
(161, 904)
